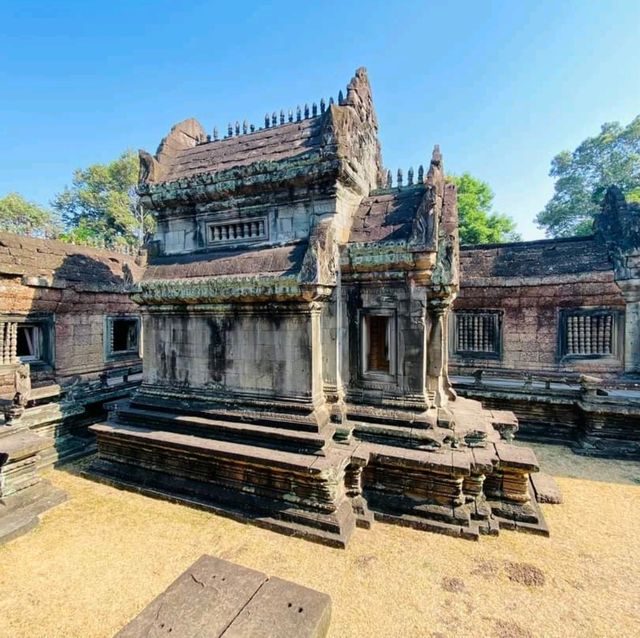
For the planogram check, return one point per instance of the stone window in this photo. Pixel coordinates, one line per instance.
(237, 231)
(29, 343)
(589, 333)
(477, 333)
(378, 344)
(26, 339)
(123, 336)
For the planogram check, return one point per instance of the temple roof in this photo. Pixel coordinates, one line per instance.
(387, 217)
(276, 143)
(562, 256)
(58, 264)
(279, 261)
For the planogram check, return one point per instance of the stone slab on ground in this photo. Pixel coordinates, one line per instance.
(282, 608)
(545, 488)
(215, 598)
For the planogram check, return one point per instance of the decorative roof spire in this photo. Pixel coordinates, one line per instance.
(281, 116)
(306, 111)
(229, 130)
(290, 115)
(245, 127)
(267, 122)
(323, 106)
(420, 174)
(399, 178)
(340, 97)
(410, 176)
(274, 119)
(389, 180)
(331, 102)
(298, 114)
(252, 128)
(314, 109)
(216, 135)
(237, 127)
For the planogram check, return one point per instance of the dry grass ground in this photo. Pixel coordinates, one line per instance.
(97, 560)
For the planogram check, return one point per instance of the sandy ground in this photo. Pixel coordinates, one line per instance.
(97, 560)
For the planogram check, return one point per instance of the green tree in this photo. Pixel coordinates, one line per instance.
(479, 223)
(582, 177)
(101, 207)
(19, 216)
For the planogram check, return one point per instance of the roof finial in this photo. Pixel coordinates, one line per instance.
(306, 111)
(290, 115)
(314, 109)
(281, 116)
(340, 97)
(267, 122)
(215, 134)
(229, 130)
(252, 127)
(208, 138)
(298, 114)
(323, 106)
(389, 179)
(245, 127)
(399, 178)
(420, 174)
(237, 127)
(274, 119)
(410, 176)
(331, 102)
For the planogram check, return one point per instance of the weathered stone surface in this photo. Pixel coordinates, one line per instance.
(215, 598)
(546, 489)
(282, 608)
(203, 601)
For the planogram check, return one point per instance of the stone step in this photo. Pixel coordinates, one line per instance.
(309, 463)
(229, 430)
(401, 436)
(301, 420)
(392, 418)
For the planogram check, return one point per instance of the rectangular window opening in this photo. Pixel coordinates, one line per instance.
(29, 342)
(378, 344)
(124, 335)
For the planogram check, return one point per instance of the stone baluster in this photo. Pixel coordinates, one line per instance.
(13, 343)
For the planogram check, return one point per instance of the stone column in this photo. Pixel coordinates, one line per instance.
(436, 350)
(632, 336)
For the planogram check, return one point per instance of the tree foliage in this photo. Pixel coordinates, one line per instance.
(582, 177)
(17, 215)
(479, 223)
(101, 207)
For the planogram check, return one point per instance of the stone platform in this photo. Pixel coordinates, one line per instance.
(23, 493)
(289, 474)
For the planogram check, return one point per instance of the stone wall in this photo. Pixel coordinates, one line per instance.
(529, 285)
(241, 350)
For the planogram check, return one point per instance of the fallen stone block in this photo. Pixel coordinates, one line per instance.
(215, 598)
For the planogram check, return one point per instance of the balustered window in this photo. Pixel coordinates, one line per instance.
(238, 231)
(589, 333)
(477, 333)
(26, 339)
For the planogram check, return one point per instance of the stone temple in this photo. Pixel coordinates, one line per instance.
(295, 309)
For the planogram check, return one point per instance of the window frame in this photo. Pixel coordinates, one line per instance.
(110, 354)
(237, 241)
(617, 334)
(497, 353)
(392, 336)
(45, 323)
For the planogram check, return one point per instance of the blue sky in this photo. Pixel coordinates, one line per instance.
(501, 86)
